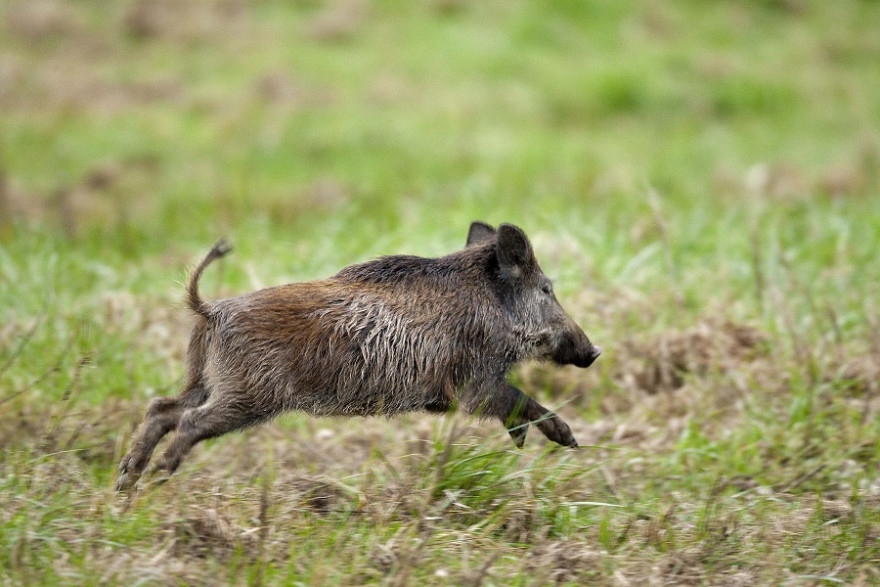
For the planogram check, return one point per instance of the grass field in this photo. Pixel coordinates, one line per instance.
(701, 180)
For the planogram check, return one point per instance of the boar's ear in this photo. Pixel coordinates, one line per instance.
(479, 232)
(514, 251)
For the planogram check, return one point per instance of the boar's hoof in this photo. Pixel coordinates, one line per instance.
(124, 482)
(518, 435)
(555, 429)
(124, 464)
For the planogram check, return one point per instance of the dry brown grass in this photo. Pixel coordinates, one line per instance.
(242, 499)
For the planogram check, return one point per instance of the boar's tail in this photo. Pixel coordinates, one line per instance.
(193, 300)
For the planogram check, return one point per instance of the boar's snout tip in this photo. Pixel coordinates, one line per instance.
(591, 356)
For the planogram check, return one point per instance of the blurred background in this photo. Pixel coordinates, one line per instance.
(143, 124)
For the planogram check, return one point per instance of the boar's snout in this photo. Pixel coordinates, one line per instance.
(591, 356)
(576, 349)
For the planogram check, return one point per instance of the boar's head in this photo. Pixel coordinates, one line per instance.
(527, 295)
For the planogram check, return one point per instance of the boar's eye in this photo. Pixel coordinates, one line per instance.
(547, 288)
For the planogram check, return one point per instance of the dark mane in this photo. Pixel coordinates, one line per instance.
(410, 268)
(393, 268)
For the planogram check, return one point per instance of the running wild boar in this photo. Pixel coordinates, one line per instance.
(397, 334)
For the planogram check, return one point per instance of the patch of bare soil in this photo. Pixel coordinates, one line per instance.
(662, 364)
(36, 21)
(860, 376)
(66, 74)
(338, 21)
(110, 193)
(205, 531)
(281, 88)
(564, 561)
(68, 82)
(321, 495)
(856, 176)
(182, 19)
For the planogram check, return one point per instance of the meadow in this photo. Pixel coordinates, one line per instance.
(701, 180)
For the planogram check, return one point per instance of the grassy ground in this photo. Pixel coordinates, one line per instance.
(701, 180)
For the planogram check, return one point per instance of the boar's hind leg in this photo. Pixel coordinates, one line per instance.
(215, 418)
(516, 411)
(162, 417)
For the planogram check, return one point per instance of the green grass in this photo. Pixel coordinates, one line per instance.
(700, 180)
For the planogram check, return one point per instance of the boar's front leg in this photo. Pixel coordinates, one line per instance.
(516, 411)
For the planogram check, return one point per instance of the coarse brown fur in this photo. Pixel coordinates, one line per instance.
(397, 334)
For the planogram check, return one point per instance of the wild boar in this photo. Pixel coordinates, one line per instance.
(396, 334)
